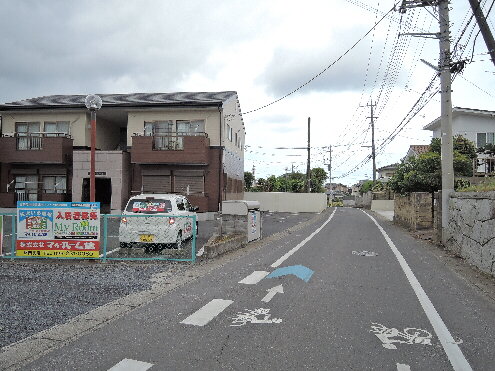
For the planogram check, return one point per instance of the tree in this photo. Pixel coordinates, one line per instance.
(366, 186)
(248, 180)
(318, 177)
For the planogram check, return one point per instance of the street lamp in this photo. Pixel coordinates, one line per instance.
(93, 103)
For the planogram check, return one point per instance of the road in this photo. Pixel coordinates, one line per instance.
(348, 292)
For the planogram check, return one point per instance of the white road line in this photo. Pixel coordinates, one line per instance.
(454, 353)
(401, 367)
(254, 278)
(301, 244)
(205, 314)
(131, 365)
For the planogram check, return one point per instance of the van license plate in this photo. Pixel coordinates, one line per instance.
(146, 238)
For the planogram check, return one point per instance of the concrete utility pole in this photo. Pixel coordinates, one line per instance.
(373, 153)
(444, 65)
(446, 114)
(308, 168)
(330, 171)
(485, 30)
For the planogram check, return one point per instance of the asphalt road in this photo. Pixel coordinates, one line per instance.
(358, 293)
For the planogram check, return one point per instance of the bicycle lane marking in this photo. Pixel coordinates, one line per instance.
(302, 243)
(454, 353)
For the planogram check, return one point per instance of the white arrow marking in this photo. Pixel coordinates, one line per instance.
(272, 292)
(401, 367)
(131, 365)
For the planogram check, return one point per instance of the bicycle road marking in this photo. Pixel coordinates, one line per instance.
(454, 353)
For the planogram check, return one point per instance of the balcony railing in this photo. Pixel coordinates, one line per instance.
(172, 141)
(34, 141)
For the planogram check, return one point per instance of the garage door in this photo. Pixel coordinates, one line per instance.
(157, 184)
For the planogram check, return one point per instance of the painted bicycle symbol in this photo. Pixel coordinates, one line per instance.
(260, 315)
(410, 335)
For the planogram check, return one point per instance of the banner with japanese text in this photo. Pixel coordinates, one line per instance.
(58, 229)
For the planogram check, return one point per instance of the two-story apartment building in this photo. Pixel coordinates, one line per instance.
(188, 143)
(476, 125)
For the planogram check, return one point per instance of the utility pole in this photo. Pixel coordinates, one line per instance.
(308, 168)
(330, 171)
(373, 153)
(444, 66)
(483, 25)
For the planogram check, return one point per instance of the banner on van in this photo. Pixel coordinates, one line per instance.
(58, 229)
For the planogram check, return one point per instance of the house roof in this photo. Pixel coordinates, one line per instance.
(388, 167)
(125, 100)
(456, 111)
(418, 149)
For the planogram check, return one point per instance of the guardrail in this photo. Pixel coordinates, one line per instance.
(124, 237)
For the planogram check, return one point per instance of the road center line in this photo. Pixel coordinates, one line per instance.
(205, 314)
(454, 353)
(254, 278)
(401, 367)
(131, 365)
(301, 244)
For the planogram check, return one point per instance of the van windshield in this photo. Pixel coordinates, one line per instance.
(149, 206)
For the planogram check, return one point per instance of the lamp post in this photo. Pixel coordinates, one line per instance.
(93, 103)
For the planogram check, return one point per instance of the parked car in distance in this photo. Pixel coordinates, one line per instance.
(156, 221)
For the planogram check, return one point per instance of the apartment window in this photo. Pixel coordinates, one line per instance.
(56, 128)
(190, 127)
(28, 135)
(26, 187)
(55, 184)
(162, 131)
(229, 132)
(482, 139)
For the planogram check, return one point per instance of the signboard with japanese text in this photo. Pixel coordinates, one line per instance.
(58, 229)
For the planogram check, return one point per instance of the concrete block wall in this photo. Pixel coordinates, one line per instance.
(289, 202)
(414, 211)
(471, 228)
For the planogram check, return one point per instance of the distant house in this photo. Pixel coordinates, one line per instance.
(416, 150)
(386, 172)
(476, 125)
(187, 143)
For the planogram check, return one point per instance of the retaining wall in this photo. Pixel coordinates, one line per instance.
(414, 211)
(471, 228)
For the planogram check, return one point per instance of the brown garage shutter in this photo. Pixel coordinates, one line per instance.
(196, 184)
(157, 184)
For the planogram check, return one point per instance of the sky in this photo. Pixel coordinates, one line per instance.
(327, 60)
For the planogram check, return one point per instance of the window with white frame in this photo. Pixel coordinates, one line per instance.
(28, 135)
(482, 139)
(229, 132)
(57, 128)
(190, 127)
(162, 131)
(55, 184)
(26, 187)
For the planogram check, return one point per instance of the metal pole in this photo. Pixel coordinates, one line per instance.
(92, 159)
(308, 169)
(330, 172)
(446, 114)
(485, 30)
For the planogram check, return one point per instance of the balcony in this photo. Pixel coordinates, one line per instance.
(171, 149)
(42, 148)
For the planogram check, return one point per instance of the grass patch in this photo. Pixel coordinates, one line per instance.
(482, 187)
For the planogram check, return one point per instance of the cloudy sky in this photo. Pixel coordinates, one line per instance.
(329, 54)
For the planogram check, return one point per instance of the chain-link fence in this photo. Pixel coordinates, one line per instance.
(122, 237)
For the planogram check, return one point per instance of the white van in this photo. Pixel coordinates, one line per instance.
(156, 221)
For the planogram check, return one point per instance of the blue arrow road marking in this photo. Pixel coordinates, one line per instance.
(300, 271)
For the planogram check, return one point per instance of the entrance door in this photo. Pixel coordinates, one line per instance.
(103, 193)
